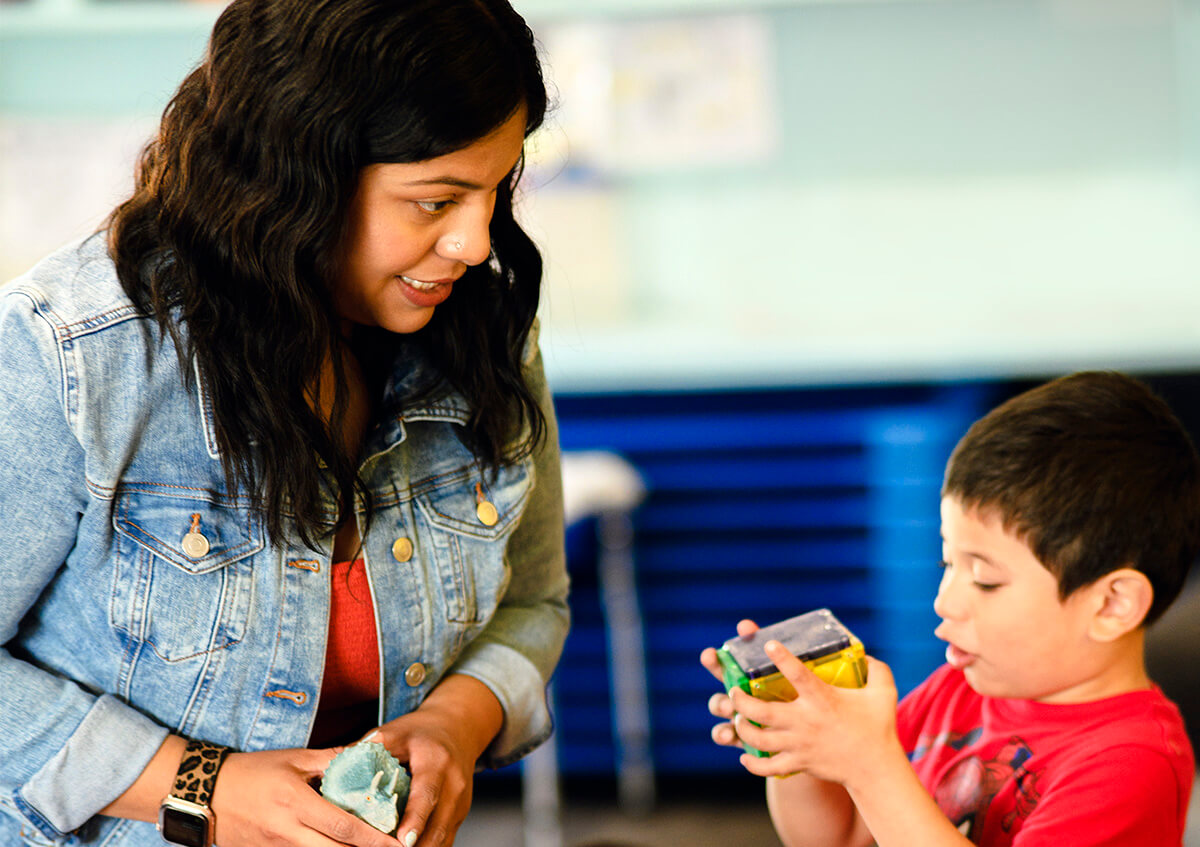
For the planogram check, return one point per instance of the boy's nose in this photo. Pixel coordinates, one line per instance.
(947, 603)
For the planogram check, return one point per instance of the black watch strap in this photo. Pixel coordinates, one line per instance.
(197, 776)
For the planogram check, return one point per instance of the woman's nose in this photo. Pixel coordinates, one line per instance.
(470, 240)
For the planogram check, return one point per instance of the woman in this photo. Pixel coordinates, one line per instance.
(280, 463)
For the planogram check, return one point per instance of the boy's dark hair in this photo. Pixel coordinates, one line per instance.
(1095, 473)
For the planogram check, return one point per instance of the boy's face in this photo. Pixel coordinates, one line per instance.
(1001, 615)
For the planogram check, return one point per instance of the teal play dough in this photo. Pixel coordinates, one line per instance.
(369, 782)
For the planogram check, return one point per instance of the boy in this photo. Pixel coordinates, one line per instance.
(1070, 516)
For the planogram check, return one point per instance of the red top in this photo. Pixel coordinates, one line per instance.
(350, 688)
(1116, 771)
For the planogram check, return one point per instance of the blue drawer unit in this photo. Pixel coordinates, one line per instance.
(761, 504)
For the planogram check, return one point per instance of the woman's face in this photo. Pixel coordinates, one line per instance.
(414, 228)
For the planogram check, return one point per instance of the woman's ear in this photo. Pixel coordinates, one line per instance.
(1123, 598)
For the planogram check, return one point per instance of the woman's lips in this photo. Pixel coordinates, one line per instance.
(958, 658)
(425, 294)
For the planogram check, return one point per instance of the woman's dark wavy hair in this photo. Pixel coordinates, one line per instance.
(231, 236)
(1095, 473)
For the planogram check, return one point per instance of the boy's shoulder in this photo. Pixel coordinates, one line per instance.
(945, 705)
(1053, 765)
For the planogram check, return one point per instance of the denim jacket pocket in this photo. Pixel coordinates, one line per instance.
(183, 578)
(470, 520)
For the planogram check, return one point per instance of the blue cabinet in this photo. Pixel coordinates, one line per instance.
(761, 504)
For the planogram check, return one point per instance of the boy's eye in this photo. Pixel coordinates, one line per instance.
(987, 586)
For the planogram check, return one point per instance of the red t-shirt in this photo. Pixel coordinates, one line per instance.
(1114, 772)
(350, 686)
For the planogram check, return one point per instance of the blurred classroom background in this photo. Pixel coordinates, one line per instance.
(794, 247)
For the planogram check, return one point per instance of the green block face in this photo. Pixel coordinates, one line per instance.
(734, 676)
(817, 638)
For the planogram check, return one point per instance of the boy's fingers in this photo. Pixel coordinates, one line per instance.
(757, 737)
(796, 672)
(724, 734)
(759, 711)
(720, 706)
(746, 628)
(708, 658)
(879, 673)
(778, 765)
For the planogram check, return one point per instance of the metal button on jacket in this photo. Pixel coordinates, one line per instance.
(402, 549)
(485, 510)
(487, 514)
(415, 674)
(195, 545)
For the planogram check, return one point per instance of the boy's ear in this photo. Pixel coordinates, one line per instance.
(1123, 597)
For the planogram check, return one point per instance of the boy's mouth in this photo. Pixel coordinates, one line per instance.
(958, 658)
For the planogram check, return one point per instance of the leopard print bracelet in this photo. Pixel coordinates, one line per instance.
(197, 775)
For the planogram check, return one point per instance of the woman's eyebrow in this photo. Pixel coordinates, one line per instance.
(448, 180)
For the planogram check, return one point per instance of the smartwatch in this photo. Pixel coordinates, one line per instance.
(185, 816)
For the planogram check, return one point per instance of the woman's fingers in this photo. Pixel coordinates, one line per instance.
(341, 827)
(423, 797)
(266, 798)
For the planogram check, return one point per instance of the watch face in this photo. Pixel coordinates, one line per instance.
(184, 828)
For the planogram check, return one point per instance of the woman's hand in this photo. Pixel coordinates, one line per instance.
(266, 798)
(441, 742)
(720, 705)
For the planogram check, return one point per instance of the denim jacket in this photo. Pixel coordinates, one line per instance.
(138, 597)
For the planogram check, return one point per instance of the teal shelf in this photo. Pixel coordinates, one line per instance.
(102, 58)
(68, 18)
(25, 17)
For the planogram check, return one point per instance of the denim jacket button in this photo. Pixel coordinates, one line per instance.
(195, 545)
(415, 674)
(487, 514)
(402, 549)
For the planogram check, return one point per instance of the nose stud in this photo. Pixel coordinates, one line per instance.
(458, 246)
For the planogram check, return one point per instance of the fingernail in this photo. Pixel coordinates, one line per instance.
(373, 735)
(771, 645)
(410, 838)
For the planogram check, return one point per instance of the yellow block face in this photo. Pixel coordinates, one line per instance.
(846, 669)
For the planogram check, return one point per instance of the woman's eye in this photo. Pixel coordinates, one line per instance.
(432, 207)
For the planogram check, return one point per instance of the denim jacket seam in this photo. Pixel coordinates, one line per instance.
(104, 492)
(98, 322)
(160, 489)
(42, 310)
(233, 552)
(443, 414)
(35, 817)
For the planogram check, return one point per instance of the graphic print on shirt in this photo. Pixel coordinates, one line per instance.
(966, 791)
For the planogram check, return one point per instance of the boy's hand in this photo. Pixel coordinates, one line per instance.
(832, 733)
(719, 705)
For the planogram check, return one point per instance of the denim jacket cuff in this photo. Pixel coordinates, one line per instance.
(105, 754)
(521, 691)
